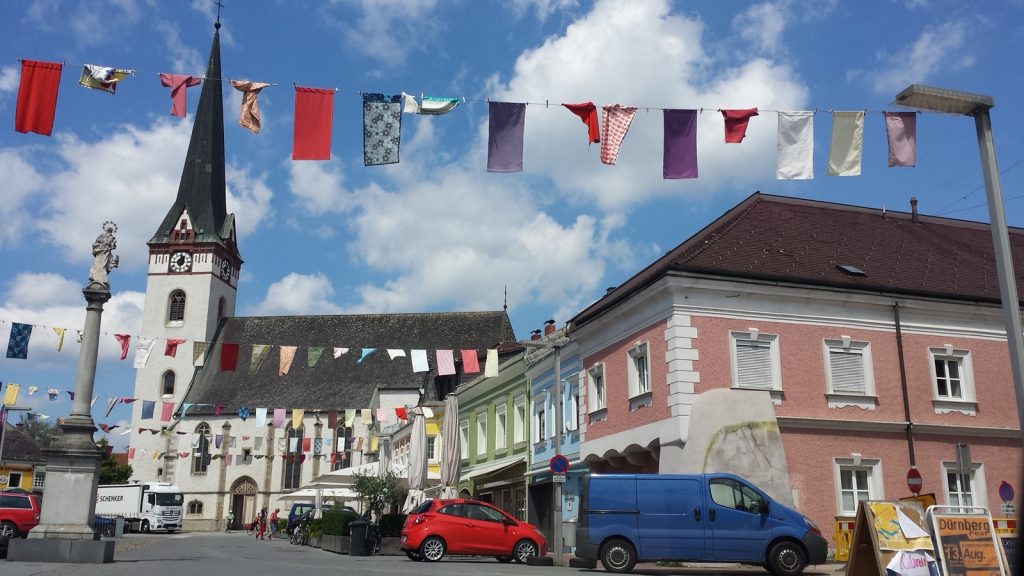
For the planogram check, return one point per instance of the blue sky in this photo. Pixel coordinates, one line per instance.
(436, 232)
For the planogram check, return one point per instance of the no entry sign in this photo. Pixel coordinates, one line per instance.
(914, 482)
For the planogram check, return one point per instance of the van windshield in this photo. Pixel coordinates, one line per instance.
(168, 499)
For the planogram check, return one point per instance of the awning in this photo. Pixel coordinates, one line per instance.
(309, 494)
(492, 467)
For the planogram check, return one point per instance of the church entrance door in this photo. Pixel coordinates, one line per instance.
(243, 501)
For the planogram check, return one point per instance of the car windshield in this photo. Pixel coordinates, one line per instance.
(168, 499)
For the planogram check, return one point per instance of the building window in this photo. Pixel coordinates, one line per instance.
(639, 371)
(292, 478)
(849, 374)
(964, 490)
(756, 361)
(247, 455)
(14, 479)
(176, 307)
(519, 425)
(572, 407)
(195, 507)
(953, 375)
(596, 397)
(39, 479)
(168, 383)
(481, 433)
(342, 446)
(201, 450)
(464, 438)
(431, 448)
(500, 426)
(857, 480)
(540, 420)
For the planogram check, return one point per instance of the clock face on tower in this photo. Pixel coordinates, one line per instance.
(225, 271)
(181, 262)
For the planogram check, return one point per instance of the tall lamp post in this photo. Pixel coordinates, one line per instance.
(978, 105)
(4, 415)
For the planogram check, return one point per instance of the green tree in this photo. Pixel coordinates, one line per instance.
(110, 471)
(377, 492)
(41, 431)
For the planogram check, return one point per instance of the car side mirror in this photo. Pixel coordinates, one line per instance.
(509, 522)
(762, 507)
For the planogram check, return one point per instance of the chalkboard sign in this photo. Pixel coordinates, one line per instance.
(1011, 551)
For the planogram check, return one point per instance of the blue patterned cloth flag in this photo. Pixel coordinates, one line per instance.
(17, 346)
(382, 129)
(243, 413)
(366, 352)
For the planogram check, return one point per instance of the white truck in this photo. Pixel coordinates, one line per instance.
(144, 506)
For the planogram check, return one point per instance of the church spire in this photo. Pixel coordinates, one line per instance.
(202, 188)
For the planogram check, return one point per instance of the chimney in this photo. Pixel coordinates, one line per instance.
(535, 335)
(20, 425)
(913, 210)
(549, 327)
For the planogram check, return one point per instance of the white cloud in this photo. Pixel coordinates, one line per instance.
(20, 182)
(384, 28)
(184, 59)
(543, 8)
(298, 294)
(941, 48)
(320, 186)
(762, 25)
(9, 79)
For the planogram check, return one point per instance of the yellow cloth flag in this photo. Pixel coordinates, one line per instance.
(297, 415)
(491, 367)
(367, 416)
(11, 394)
(350, 417)
(60, 338)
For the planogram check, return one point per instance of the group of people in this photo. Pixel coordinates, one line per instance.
(264, 526)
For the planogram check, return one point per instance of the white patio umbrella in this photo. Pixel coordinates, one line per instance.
(417, 464)
(451, 457)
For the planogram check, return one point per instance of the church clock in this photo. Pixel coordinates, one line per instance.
(181, 262)
(225, 271)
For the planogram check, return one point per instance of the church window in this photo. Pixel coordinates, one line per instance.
(195, 507)
(201, 450)
(293, 463)
(168, 383)
(343, 446)
(176, 310)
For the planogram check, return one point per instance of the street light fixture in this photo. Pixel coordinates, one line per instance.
(978, 105)
(3, 427)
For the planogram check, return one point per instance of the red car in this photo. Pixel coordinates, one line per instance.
(468, 528)
(19, 513)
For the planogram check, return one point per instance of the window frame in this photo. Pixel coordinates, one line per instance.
(176, 310)
(639, 381)
(978, 492)
(500, 426)
(875, 481)
(464, 438)
(838, 399)
(596, 388)
(540, 417)
(519, 420)
(11, 475)
(167, 375)
(774, 360)
(291, 470)
(481, 433)
(431, 447)
(968, 403)
(201, 452)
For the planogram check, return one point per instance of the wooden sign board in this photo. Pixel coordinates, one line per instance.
(877, 537)
(1010, 553)
(967, 543)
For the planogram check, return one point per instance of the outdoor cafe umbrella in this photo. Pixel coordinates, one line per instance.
(451, 457)
(417, 464)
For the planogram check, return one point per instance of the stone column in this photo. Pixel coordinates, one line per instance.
(317, 456)
(225, 449)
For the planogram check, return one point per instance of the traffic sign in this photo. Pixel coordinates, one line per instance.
(558, 478)
(559, 464)
(914, 482)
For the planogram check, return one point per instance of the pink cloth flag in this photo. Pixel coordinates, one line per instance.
(287, 356)
(736, 124)
(470, 362)
(279, 414)
(617, 119)
(445, 363)
(166, 411)
(125, 340)
(901, 128)
(179, 83)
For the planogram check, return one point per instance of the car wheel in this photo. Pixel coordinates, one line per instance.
(145, 526)
(524, 549)
(432, 549)
(786, 559)
(414, 556)
(618, 556)
(504, 559)
(8, 529)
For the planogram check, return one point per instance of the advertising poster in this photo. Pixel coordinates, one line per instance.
(967, 545)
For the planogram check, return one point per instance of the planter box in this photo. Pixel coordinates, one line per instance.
(315, 541)
(336, 544)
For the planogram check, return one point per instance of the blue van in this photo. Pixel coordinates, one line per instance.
(630, 518)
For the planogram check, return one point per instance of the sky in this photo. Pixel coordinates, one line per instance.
(436, 231)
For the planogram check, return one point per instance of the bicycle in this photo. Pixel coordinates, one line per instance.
(300, 535)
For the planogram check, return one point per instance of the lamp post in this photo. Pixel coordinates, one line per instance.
(978, 105)
(3, 428)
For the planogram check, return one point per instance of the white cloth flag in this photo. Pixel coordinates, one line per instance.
(847, 146)
(491, 366)
(261, 416)
(396, 353)
(795, 153)
(409, 104)
(339, 351)
(419, 361)
(142, 352)
(293, 444)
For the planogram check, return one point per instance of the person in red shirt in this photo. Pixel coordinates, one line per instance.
(273, 523)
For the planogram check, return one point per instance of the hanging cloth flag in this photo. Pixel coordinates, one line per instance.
(102, 77)
(402, 413)
(104, 427)
(350, 417)
(11, 394)
(185, 406)
(142, 351)
(217, 408)
(286, 356)
(314, 115)
(795, 150)
(339, 351)
(279, 414)
(307, 444)
(217, 439)
(126, 400)
(366, 352)
(396, 353)
(374, 440)
(367, 416)
(125, 340)
(167, 411)
(228, 356)
(259, 353)
(409, 105)
(736, 124)
(847, 146)
(382, 129)
(131, 453)
(78, 336)
(428, 412)
(297, 414)
(901, 129)
(261, 416)
(679, 159)
(179, 83)
(91, 402)
(436, 106)
(588, 113)
(71, 396)
(419, 361)
(243, 413)
(505, 128)
(382, 415)
(171, 347)
(470, 362)
(617, 119)
(332, 419)
(111, 402)
(445, 363)
(32, 390)
(249, 114)
(53, 393)
(17, 343)
(491, 367)
(199, 353)
(313, 356)
(60, 338)
(37, 97)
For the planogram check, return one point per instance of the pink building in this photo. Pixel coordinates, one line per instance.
(878, 335)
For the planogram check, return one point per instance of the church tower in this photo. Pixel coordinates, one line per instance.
(192, 279)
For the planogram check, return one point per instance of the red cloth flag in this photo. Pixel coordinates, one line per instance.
(171, 349)
(166, 411)
(131, 453)
(334, 458)
(314, 114)
(37, 97)
(402, 413)
(470, 362)
(332, 419)
(588, 113)
(307, 444)
(228, 356)
(125, 340)
(736, 124)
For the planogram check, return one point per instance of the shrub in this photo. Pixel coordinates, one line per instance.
(391, 525)
(335, 522)
(316, 527)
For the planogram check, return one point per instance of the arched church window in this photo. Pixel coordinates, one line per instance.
(176, 308)
(168, 383)
(201, 450)
(293, 459)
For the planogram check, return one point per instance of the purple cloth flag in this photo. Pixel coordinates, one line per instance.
(279, 414)
(505, 137)
(680, 155)
(17, 346)
(901, 128)
(147, 409)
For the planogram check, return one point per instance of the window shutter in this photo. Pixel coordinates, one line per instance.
(753, 364)
(847, 372)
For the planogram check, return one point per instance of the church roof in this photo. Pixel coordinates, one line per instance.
(202, 188)
(343, 382)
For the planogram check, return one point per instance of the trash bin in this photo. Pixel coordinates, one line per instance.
(105, 526)
(357, 537)
(569, 533)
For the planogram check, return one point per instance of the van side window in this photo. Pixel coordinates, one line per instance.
(732, 494)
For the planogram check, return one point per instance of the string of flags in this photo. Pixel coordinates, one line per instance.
(382, 123)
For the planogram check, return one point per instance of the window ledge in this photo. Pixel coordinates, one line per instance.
(861, 401)
(948, 406)
(175, 323)
(777, 395)
(598, 415)
(640, 401)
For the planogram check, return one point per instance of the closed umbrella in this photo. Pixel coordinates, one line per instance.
(451, 458)
(417, 464)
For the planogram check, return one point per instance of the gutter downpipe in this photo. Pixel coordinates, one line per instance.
(903, 384)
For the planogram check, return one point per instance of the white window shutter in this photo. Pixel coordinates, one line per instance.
(753, 364)
(847, 372)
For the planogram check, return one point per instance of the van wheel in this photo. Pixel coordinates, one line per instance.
(618, 556)
(145, 526)
(786, 559)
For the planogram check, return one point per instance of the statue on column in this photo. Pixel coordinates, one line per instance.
(104, 259)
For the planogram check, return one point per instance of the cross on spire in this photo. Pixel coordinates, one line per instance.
(219, 6)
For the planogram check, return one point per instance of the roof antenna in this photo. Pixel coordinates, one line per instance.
(219, 6)
(505, 307)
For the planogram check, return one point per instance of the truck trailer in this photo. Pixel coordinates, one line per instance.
(145, 506)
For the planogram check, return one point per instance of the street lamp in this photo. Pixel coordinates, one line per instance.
(978, 105)
(3, 427)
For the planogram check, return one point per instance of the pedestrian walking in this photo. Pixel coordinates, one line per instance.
(261, 528)
(228, 521)
(273, 523)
